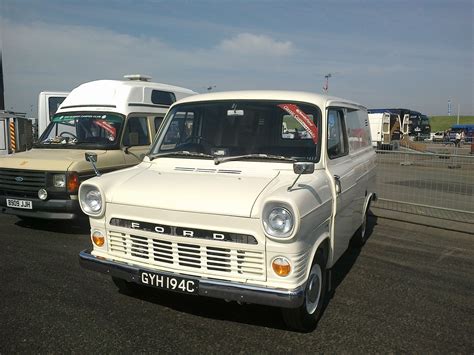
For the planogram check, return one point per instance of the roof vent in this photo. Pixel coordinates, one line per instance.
(137, 77)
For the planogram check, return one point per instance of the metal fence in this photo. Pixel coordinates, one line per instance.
(438, 182)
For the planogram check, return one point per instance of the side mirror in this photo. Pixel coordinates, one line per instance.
(91, 157)
(302, 167)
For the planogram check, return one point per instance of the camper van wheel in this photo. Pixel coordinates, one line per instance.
(127, 288)
(360, 236)
(306, 317)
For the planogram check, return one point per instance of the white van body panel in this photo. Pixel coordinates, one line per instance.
(375, 120)
(119, 96)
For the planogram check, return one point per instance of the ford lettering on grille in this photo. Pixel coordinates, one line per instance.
(183, 231)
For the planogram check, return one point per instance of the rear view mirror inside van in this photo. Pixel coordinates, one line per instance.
(232, 113)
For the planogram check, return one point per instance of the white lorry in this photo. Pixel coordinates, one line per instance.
(385, 129)
(48, 104)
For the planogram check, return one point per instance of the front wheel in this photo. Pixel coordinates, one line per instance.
(306, 317)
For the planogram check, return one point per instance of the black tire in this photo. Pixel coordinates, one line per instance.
(306, 317)
(360, 236)
(127, 288)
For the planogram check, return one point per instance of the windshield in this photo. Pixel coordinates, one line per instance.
(98, 130)
(243, 129)
(425, 121)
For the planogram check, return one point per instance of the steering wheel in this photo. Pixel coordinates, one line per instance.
(67, 133)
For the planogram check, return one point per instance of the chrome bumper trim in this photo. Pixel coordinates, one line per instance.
(211, 288)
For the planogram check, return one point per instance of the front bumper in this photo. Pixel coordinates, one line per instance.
(211, 288)
(49, 209)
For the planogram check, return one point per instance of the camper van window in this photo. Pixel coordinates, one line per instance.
(81, 130)
(136, 132)
(259, 130)
(162, 97)
(337, 138)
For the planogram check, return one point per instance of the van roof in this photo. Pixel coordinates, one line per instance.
(117, 95)
(302, 96)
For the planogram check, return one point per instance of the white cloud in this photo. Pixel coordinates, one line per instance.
(250, 44)
(41, 56)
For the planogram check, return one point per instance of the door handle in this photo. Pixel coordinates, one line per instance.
(337, 182)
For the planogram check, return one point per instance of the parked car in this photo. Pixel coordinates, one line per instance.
(438, 136)
(234, 207)
(116, 119)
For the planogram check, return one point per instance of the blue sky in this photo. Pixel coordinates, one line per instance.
(415, 54)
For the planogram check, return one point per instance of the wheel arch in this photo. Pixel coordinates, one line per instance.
(322, 245)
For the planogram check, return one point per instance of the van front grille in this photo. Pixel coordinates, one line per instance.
(181, 256)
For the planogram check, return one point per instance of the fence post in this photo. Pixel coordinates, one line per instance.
(454, 162)
(406, 162)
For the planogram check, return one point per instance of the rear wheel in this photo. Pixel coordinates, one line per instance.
(360, 236)
(306, 317)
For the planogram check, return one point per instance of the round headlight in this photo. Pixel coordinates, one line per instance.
(278, 222)
(91, 200)
(42, 194)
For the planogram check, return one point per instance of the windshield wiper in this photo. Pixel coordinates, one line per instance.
(218, 160)
(179, 153)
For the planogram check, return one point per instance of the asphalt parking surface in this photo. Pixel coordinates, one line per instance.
(410, 289)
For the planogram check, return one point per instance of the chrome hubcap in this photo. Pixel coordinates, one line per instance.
(313, 289)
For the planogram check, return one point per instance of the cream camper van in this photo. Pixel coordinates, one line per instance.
(115, 119)
(249, 196)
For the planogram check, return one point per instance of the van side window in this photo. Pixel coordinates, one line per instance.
(136, 132)
(159, 97)
(357, 129)
(337, 136)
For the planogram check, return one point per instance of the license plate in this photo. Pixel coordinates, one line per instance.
(166, 282)
(25, 204)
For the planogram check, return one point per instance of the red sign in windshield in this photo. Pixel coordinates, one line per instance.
(303, 119)
(107, 126)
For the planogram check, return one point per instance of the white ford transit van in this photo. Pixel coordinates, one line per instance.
(249, 196)
(116, 119)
